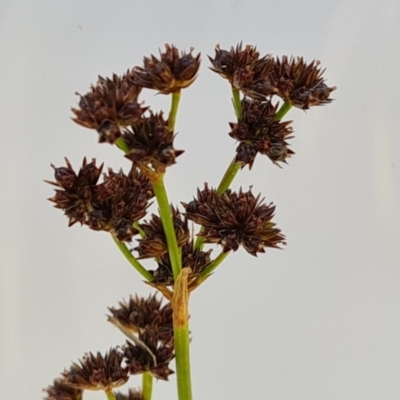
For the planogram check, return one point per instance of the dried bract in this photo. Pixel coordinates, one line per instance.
(95, 372)
(233, 219)
(110, 105)
(61, 391)
(172, 72)
(259, 132)
(150, 146)
(301, 84)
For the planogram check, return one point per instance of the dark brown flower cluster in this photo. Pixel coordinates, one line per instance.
(150, 144)
(233, 219)
(113, 205)
(149, 325)
(110, 105)
(169, 74)
(295, 81)
(97, 372)
(132, 395)
(260, 132)
(61, 391)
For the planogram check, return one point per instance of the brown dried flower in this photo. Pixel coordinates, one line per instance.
(151, 145)
(113, 205)
(132, 395)
(171, 73)
(95, 372)
(195, 259)
(234, 219)
(155, 361)
(245, 70)
(61, 391)
(110, 105)
(154, 243)
(142, 315)
(75, 193)
(300, 83)
(259, 132)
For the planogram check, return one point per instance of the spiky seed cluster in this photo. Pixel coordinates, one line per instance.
(156, 361)
(192, 258)
(142, 315)
(259, 132)
(233, 219)
(113, 205)
(154, 243)
(170, 73)
(150, 145)
(97, 372)
(300, 83)
(245, 70)
(132, 395)
(110, 105)
(61, 391)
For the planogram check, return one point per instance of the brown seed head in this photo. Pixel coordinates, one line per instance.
(245, 70)
(132, 395)
(60, 391)
(151, 145)
(110, 105)
(233, 219)
(154, 244)
(259, 132)
(300, 83)
(140, 360)
(145, 315)
(95, 372)
(172, 72)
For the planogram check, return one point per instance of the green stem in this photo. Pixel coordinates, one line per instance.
(147, 386)
(168, 224)
(212, 266)
(283, 110)
(229, 176)
(121, 144)
(181, 338)
(135, 263)
(174, 109)
(110, 395)
(136, 225)
(236, 103)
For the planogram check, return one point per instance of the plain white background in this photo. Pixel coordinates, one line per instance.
(318, 320)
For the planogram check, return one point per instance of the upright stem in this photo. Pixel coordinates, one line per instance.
(174, 109)
(283, 110)
(168, 224)
(110, 395)
(236, 103)
(229, 176)
(135, 263)
(147, 385)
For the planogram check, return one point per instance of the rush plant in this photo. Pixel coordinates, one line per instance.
(157, 327)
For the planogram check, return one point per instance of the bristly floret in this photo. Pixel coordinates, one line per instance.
(141, 315)
(132, 395)
(260, 132)
(62, 391)
(245, 70)
(111, 206)
(154, 243)
(233, 219)
(97, 372)
(193, 258)
(172, 72)
(150, 145)
(299, 83)
(110, 105)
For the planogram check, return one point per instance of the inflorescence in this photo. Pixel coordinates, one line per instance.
(118, 202)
